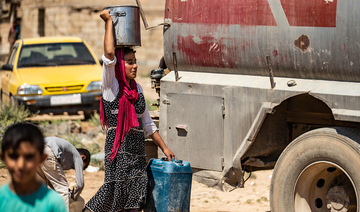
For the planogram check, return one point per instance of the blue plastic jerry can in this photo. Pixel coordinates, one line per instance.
(169, 186)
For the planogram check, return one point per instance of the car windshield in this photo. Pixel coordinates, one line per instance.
(54, 54)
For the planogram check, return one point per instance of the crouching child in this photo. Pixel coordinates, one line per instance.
(62, 155)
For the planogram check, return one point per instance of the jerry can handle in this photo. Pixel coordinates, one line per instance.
(179, 162)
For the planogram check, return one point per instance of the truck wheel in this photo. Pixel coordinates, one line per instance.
(318, 171)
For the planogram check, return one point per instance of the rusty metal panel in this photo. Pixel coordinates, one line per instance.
(247, 99)
(195, 129)
(314, 39)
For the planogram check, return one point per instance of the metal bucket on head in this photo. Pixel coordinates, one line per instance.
(126, 25)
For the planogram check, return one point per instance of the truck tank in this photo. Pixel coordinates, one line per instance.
(219, 112)
(303, 39)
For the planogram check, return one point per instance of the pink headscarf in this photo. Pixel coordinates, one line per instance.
(126, 118)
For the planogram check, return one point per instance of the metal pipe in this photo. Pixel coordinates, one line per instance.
(142, 14)
(270, 72)
(175, 67)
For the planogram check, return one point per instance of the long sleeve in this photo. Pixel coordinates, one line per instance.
(149, 126)
(69, 158)
(79, 177)
(109, 83)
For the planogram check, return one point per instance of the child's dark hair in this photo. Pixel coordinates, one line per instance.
(87, 155)
(127, 50)
(21, 132)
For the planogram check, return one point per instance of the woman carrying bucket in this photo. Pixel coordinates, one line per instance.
(123, 113)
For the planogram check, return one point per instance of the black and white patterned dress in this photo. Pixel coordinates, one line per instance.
(125, 177)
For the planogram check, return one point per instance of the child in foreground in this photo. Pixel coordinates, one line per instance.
(22, 152)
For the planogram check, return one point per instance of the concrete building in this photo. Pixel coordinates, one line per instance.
(78, 18)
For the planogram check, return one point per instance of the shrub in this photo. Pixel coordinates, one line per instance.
(98, 163)
(75, 140)
(95, 120)
(10, 115)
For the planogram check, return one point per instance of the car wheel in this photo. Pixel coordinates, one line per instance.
(318, 171)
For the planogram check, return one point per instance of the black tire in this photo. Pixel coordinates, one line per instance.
(319, 169)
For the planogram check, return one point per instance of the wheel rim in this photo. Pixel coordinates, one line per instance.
(323, 187)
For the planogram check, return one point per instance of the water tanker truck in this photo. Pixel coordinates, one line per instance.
(266, 84)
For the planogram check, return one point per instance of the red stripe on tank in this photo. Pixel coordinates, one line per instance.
(210, 52)
(310, 13)
(239, 12)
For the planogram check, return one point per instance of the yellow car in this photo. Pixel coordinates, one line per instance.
(52, 75)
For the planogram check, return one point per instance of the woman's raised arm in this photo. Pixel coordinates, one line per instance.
(109, 50)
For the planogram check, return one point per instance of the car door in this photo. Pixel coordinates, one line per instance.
(6, 74)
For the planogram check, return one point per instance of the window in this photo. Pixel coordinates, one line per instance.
(12, 56)
(55, 54)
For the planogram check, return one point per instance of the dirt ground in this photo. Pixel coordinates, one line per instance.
(254, 197)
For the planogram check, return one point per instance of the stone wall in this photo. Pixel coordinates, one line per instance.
(81, 18)
(6, 21)
(4, 44)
